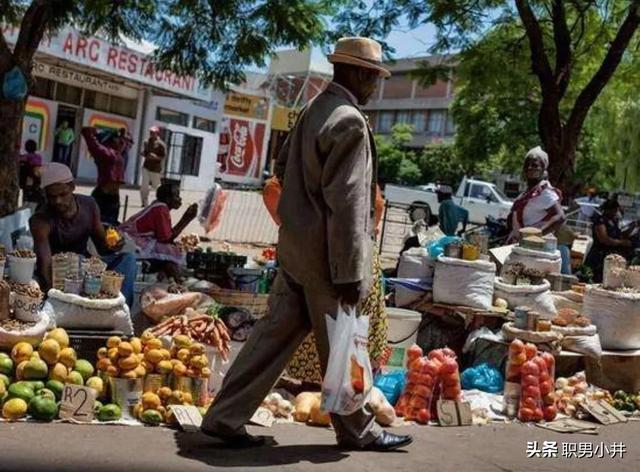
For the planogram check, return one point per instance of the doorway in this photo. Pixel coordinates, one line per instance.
(66, 137)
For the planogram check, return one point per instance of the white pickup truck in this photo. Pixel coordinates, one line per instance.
(481, 198)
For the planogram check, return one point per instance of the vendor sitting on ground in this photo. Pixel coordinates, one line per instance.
(66, 223)
(152, 232)
(451, 216)
(608, 238)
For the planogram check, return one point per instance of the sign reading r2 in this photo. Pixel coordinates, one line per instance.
(77, 403)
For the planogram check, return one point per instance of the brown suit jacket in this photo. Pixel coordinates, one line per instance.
(328, 170)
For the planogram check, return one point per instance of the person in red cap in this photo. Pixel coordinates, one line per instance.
(154, 152)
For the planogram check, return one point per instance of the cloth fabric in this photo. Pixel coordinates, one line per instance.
(537, 207)
(565, 253)
(65, 137)
(109, 205)
(305, 364)
(151, 230)
(56, 173)
(72, 235)
(538, 153)
(451, 216)
(62, 154)
(294, 311)
(327, 168)
(150, 180)
(109, 161)
(157, 148)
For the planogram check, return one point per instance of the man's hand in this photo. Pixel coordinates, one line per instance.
(191, 212)
(349, 294)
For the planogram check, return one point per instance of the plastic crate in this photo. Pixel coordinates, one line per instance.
(86, 343)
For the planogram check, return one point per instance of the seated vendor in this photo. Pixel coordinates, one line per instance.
(66, 223)
(152, 232)
(450, 215)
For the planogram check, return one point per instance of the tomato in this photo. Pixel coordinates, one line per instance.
(449, 367)
(431, 368)
(549, 413)
(518, 359)
(531, 350)
(449, 352)
(427, 379)
(525, 414)
(417, 402)
(529, 380)
(531, 391)
(546, 388)
(422, 391)
(516, 347)
(423, 416)
(451, 393)
(437, 354)
(414, 377)
(542, 365)
(549, 360)
(414, 352)
(358, 385)
(538, 415)
(451, 380)
(528, 402)
(530, 368)
(417, 364)
(549, 399)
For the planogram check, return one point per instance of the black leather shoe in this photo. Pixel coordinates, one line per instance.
(388, 442)
(237, 441)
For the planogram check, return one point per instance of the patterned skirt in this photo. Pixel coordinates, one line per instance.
(305, 364)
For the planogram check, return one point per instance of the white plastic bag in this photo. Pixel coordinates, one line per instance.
(536, 297)
(349, 379)
(464, 283)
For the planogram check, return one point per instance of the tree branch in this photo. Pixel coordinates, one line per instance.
(606, 70)
(539, 60)
(562, 39)
(5, 54)
(32, 30)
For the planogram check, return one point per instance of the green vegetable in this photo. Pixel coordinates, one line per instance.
(620, 395)
(43, 408)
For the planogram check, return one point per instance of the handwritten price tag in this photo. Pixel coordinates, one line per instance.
(77, 403)
(188, 416)
(452, 413)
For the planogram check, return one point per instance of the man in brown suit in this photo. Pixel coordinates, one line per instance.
(327, 168)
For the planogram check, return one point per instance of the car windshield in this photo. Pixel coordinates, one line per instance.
(500, 194)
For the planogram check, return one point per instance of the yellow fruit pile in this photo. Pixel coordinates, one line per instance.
(123, 359)
(189, 358)
(161, 401)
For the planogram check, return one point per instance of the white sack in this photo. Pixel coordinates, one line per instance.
(536, 297)
(76, 312)
(414, 264)
(546, 262)
(616, 315)
(465, 283)
(32, 335)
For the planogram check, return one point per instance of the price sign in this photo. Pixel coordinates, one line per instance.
(263, 417)
(452, 413)
(188, 416)
(77, 403)
(603, 412)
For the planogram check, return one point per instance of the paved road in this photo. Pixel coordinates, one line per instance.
(61, 447)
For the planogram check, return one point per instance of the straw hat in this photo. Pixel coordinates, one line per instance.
(362, 52)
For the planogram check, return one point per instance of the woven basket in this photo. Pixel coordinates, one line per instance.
(254, 303)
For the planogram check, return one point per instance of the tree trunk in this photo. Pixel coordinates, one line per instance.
(10, 133)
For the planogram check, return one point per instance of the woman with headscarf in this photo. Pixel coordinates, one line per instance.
(539, 206)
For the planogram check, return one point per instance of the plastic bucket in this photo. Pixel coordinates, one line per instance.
(21, 269)
(402, 334)
(245, 280)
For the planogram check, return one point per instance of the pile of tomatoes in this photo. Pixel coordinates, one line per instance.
(429, 378)
(535, 372)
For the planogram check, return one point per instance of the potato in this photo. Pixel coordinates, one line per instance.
(303, 404)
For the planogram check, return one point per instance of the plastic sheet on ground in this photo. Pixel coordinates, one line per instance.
(483, 403)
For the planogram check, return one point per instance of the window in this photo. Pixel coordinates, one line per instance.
(183, 153)
(96, 100)
(436, 122)
(451, 126)
(403, 117)
(170, 116)
(204, 124)
(481, 192)
(123, 106)
(419, 121)
(68, 94)
(385, 121)
(43, 88)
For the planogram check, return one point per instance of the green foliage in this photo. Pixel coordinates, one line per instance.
(400, 165)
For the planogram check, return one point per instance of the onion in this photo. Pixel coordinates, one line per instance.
(568, 391)
(561, 382)
(501, 303)
(581, 377)
(581, 387)
(570, 410)
(579, 398)
(573, 380)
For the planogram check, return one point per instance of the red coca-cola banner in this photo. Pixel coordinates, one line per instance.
(241, 146)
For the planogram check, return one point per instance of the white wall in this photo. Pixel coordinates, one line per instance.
(208, 159)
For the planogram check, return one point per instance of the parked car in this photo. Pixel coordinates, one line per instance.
(481, 198)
